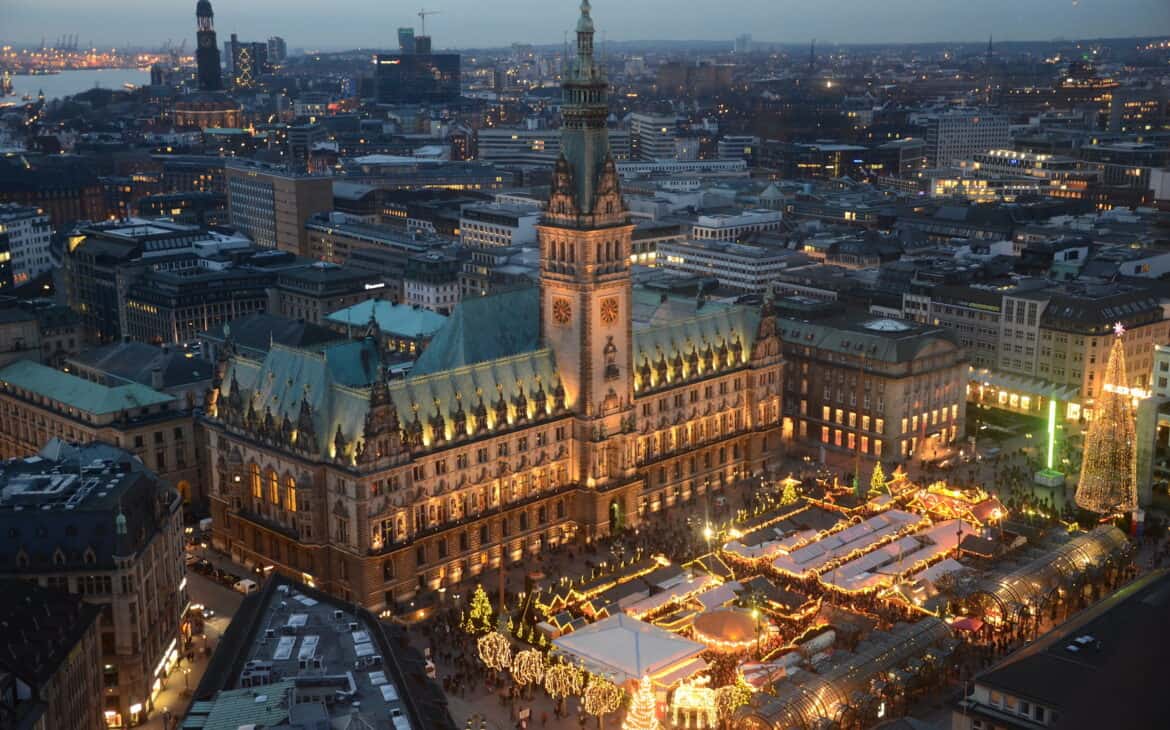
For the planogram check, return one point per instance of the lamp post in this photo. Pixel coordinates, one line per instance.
(756, 616)
(708, 533)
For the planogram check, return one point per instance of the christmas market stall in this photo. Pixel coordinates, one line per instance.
(624, 649)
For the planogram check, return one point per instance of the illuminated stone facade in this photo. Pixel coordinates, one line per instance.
(577, 426)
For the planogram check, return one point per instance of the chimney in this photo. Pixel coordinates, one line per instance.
(156, 378)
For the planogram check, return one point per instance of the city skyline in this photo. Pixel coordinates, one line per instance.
(845, 22)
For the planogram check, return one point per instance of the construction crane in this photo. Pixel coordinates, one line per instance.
(422, 18)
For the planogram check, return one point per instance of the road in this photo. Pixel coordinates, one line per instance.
(171, 704)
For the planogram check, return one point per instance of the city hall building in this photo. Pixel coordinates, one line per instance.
(533, 417)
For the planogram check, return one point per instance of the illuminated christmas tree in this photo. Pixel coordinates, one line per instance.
(479, 617)
(877, 481)
(1108, 483)
(642, 714)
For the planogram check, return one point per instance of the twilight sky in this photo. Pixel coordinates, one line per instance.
(471, 23)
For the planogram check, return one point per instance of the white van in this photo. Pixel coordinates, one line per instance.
(246, 586)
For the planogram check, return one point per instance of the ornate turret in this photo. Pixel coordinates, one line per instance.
(382, 432)
(480, 412)
(585, 185)
(458, 418)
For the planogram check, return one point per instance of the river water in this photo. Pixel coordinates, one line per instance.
(68, 83)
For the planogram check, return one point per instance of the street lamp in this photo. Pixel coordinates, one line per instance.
(756, 616)
(708, 533)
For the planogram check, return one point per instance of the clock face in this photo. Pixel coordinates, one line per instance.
(562, 310)
(206, 41)
(609, 310)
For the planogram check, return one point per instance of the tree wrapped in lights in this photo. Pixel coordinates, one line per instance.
(562, 680)
(642, 714)
(877, 481)
(479, 617)
(1108, 482)
(494, 650)
(528, 667)
(730, 698)
(789, 495)
(601, 698)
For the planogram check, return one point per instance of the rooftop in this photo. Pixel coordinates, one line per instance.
(294, 657)
(79, 393)
(396, 319)
(1113, 648)
(45, 626)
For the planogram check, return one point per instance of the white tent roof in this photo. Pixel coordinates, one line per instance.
(625, 648)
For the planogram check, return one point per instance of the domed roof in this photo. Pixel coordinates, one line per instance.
(725, 625)
(887, 325)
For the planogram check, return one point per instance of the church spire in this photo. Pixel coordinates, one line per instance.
(585, 188)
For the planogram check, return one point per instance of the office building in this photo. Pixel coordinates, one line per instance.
(421, 77)
(959, 135)
(40, 403)
(51, 668)
(888, 388)
(337, 239)
(24, 244)
(498, 225)
(285, 647)
(734, 226)
(248, 61)
(313, 290)
(559, 421)
(431, 281)
(270, 204)
(1090, 671)
(652, 136)
(737, 266)
(406, 40)
(516, 146)
(176, 371)
(1041, 341)
(65, 187)
(93, 521)
(738, 147)
(277, 50)
(207, 50)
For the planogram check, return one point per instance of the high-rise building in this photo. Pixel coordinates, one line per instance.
(270, 204)
(93, 521)
(207, 51)
(277, 50)
(247, 61)
(743, 44)
(417, 75)
(959, 135)
(406, 40)
(652, 136)
(512, 434)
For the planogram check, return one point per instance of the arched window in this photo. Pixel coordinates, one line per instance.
(257, 488)
(290, 494)
(273, 487)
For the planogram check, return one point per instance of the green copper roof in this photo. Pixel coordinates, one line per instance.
(482, 329)
(84, 395)
(335, 382)
(398, 320)
(713, 327)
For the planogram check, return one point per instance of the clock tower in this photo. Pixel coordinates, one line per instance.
(207, 50)
(585, 295)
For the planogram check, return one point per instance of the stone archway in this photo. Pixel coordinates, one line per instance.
(617, 515)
